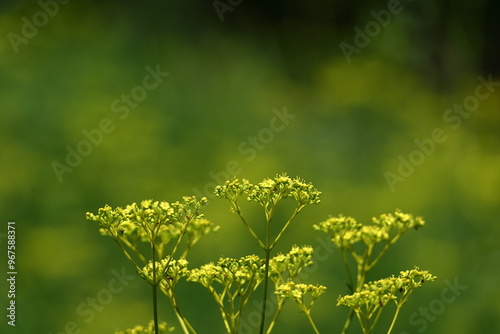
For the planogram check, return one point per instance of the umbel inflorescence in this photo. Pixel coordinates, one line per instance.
(157, 236)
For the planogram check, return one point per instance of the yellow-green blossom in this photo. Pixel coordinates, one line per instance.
(346, 231)
(228, 272)
(270, 190)
(378, 293)
(286, 266)
(297, 291)
(167, 269)
(148, 329)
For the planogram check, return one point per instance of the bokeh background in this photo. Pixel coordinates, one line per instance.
(352, 120)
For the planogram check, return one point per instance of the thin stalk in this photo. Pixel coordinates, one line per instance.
(295, 212)
(276, 315)
(134, 248)
(349, 275)
(347, 323)
(348, 320)
(267, 249)
(181, 321)
(219, 300)
(366, 327)
(308, 314)
(383, 251)
(238, 211)
(232, 298)
(376, 319)
(176, 246)
(155, 288)
(360, 321)
(186, 326)
(394, 319)
(240, 310)
(362, 270)
(127, 255)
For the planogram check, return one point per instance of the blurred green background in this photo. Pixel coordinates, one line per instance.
(349, 124)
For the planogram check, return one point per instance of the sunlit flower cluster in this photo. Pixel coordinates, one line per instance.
(345, 231)
(270, 190)
(229, 272)
(138, 220)
(299, 291)
(290, 264)
(232, 189)
(167, 269)
(377, 293)
(148, 329)
(156, 221)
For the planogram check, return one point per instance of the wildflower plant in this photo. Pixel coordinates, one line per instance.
(159, 225)
(299, 293)
(371, 300)
(267, 194)
(231, 282)
(156, 238)
(360, 242)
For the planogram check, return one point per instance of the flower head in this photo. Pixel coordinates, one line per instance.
(346, 231)
(378, 293)
(148, 329)
(138, 221)
(298, 292)
(288, 265)
(166, 269)
(229, 271)
(270, 190)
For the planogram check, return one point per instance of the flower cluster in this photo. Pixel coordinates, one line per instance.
(237, 280)
(167, 269)
(290, 264)
(346, 231)
(233, 189)
(140, 220)
(270, 190)
(154, 222)
(148, 329)
(399, 221)
(304, 295)
(229, 272)
(297, 291)
(379, 293)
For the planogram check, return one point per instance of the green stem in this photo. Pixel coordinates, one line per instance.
(347, 323)
(238, 211)
(186, 326)
(219, 301)
(295, 212)
(394, 319)
(169, 291)
(266, 284)
(127, 255)
(155, 288)
(181, 321)
(376, 319)
(383, 251)
(240, 310)
(281, 302)
(136, 251)
(349, 275)
(308, 314)
(362, 271)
